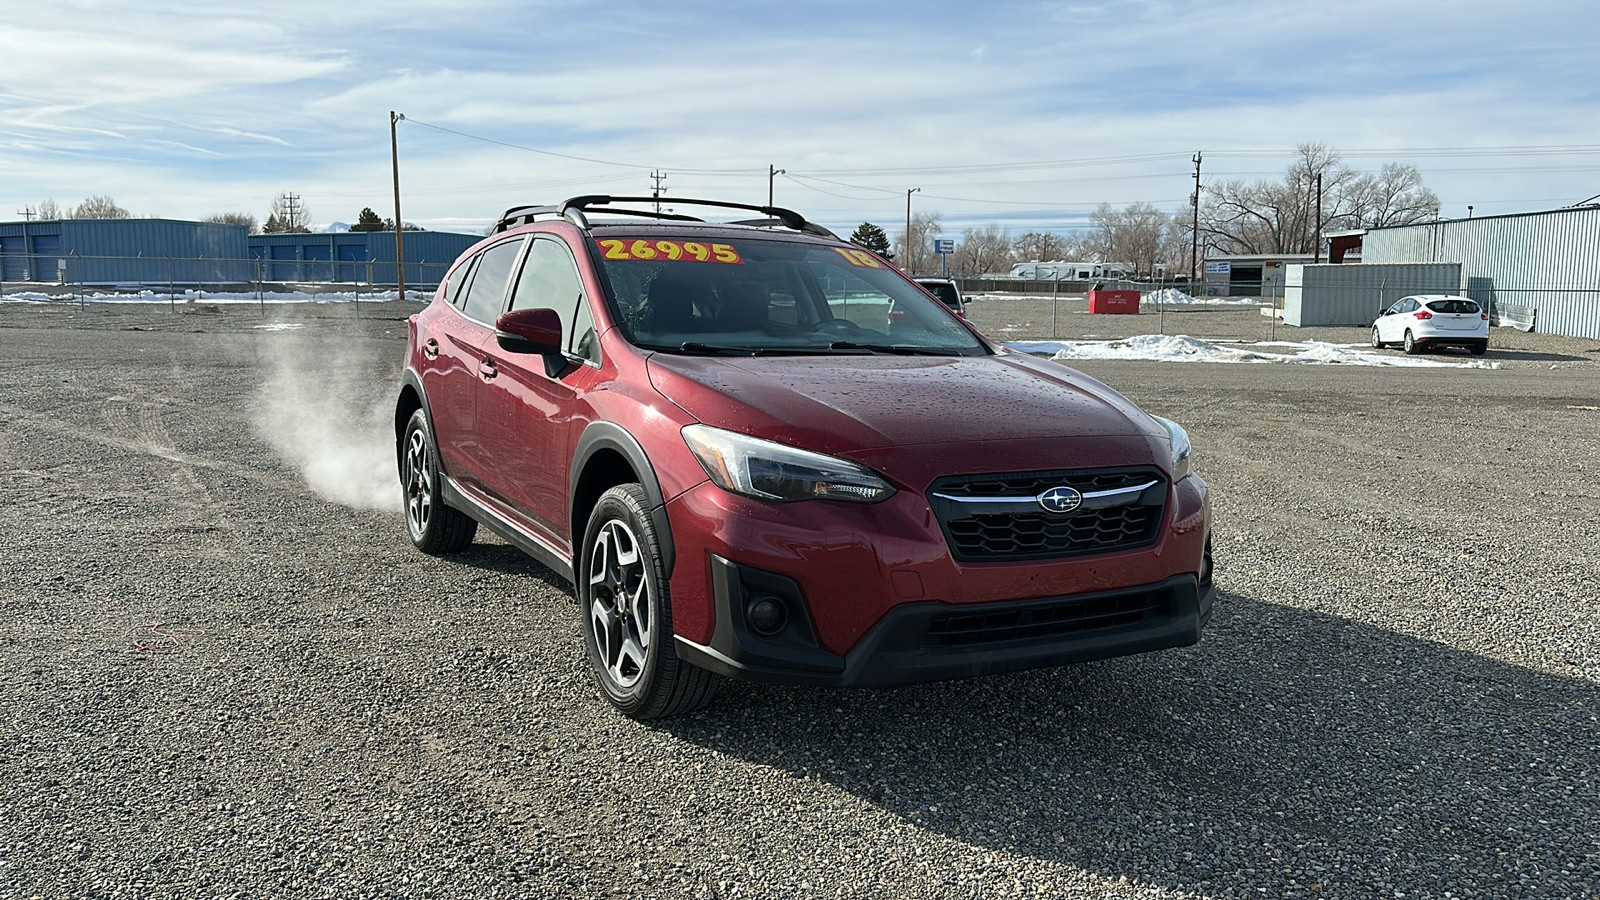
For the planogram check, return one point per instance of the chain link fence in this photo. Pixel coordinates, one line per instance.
(82, 278)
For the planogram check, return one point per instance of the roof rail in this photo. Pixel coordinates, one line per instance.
(808, 227)
(575, 208)
(522, 215)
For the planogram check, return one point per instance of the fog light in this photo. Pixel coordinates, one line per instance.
(765, 614)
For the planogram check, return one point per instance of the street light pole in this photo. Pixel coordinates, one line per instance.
(772, 173)
(907, 247)
(399, 245)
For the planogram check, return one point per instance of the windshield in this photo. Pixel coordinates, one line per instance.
(764, 296)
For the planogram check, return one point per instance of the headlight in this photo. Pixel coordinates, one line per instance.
(770, 471)
(1182, 452)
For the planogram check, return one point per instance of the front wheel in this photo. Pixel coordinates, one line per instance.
(627, 613)
(1411, 345)
(1377, 344)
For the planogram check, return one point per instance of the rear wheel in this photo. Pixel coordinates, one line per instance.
(433, 526)
(1479, 349)
(1411, 345)
(1376, 343)
(627, 613)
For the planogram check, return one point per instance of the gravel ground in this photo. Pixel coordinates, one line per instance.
(216, 682)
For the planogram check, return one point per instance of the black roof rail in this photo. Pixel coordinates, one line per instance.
(522, 215)
(808, 227)
(777, 214)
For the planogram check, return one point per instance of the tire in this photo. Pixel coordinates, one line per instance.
(626, 613)
(1479, 349)
(1412, 347)
(434, 527)
(1376, 344)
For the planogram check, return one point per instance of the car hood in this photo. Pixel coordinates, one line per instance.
(849, 404)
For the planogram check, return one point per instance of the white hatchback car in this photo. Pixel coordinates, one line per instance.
(1433, 320)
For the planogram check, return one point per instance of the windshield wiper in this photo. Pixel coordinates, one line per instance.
(896, 349)
(734, 350)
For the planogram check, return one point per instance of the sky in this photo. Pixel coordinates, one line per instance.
(1025, 115)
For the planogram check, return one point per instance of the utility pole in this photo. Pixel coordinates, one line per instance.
(772, 173)
(1316, 239)
(291, 209)
(1194, 231)
(27, 213)
(907, 248)
(399, 244)
(657, 176)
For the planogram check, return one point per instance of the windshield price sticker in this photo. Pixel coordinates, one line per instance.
(675, 251)
(859, 258)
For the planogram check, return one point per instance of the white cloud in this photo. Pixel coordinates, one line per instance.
(187, 108)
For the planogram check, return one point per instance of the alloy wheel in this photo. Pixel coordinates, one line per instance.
(419, 483)
(619, 607)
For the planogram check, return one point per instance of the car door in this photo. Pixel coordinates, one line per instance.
(527, 406)
(453, 375)
(1391, 325)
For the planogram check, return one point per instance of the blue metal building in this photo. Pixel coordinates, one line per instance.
(357, 256)
(123, 252)
(155, 253)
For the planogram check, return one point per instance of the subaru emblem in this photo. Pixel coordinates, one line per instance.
(1060, 499)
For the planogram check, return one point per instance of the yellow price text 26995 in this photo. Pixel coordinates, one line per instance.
(675, 251)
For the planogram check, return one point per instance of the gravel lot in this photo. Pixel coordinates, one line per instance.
(216, 682)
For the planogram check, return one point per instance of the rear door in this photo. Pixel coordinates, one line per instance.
(454, 366)
(1392, 324)
(1459, 316)
(527, 409)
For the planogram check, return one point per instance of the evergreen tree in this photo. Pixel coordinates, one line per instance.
(369, 221)
(871, 237)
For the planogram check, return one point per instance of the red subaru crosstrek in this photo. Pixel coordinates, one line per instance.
(747, 467)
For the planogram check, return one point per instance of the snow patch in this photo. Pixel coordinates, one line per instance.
(1183, 348)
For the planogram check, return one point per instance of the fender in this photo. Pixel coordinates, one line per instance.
(411, 379)
(599, 436)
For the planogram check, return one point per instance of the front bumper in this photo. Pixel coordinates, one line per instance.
(933, 641)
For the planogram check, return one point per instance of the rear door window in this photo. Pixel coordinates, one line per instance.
(486, 296)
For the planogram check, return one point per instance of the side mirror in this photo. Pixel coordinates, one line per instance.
(529, 331)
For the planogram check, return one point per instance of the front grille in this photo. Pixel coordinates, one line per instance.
(1019, 529)
(1044, 620)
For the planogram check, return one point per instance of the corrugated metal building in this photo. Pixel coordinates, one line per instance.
(1532, 269)
(123, 252)
(1335, 294)
(357, 256)
(160, 252)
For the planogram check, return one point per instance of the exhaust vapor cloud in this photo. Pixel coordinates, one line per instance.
(326, 408)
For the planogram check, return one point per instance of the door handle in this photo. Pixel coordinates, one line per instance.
(488, 369)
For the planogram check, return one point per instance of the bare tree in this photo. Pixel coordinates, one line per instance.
(1286, 216)
(1394, 196)
(49, 210)
(915, 249)
(982, 251)
(1045, 246)
(1138, 235)
(236, 218)
(98, 207)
